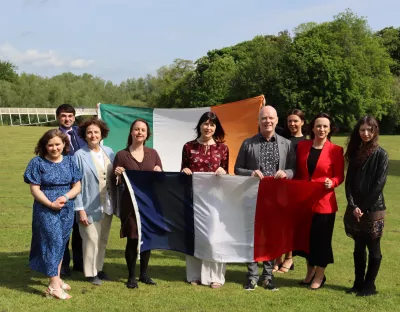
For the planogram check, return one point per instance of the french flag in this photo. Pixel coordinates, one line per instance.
(222, 218)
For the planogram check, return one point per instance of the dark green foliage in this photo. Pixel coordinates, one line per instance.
(390, 37)
(8, 71)
(341, 68)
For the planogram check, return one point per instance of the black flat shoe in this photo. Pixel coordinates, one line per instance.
(367, 291)
(322, 284)
(94, 280)
(103, 276)
(353, 290)
(147, 280)
(132, 283)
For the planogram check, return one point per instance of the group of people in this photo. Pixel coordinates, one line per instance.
(80, 193)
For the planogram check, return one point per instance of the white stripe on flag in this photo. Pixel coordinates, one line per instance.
(136, 212)
(224, 212)
(172, 128)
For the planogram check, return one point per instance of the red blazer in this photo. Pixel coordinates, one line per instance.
(330, 165)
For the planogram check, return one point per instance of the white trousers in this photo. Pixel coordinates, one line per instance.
(94, 243)
(205, 271)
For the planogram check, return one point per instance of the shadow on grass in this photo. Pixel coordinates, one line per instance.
(235, 274)
(15, 273)
(394, 167)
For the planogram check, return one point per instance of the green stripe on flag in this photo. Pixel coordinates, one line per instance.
(119, 120)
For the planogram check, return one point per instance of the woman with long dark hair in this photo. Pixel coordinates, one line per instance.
(136, 156)
(319, 160)
(207, 153)
(364, 217)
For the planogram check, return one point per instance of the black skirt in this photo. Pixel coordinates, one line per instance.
(321, 253)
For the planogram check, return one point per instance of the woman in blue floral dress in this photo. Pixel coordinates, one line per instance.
(54, 180)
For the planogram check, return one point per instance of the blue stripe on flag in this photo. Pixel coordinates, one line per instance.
(165, 202)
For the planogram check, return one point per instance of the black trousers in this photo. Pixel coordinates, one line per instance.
(77, 254)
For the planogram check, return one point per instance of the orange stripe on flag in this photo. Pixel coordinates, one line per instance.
(240, 121)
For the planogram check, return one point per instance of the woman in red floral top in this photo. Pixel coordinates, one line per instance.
(207, 153)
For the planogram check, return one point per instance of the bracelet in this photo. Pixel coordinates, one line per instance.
(65, 195)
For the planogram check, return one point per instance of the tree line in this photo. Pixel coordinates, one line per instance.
(341, 67)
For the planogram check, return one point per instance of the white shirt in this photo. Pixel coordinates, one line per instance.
(99, 158)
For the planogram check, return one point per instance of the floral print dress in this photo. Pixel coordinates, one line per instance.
(51, 228)
(205, 158)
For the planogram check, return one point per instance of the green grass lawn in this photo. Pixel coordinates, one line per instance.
(22, 289)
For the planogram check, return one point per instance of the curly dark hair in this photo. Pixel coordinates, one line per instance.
(41, 149)
(219, 134)
(130, 140)
(93, 121)
(331, 125)
(357, 150)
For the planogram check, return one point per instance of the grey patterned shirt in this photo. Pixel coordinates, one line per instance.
(269, 156)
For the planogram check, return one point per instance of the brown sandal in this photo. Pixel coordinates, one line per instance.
(276, 268)
(285, 269)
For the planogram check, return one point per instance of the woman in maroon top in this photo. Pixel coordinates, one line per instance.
(207, 153)
(136, 156)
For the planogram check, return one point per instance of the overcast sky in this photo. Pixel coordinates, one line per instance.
(120, 39)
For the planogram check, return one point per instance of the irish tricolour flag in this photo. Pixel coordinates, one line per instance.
(222, 218)
(172, 128)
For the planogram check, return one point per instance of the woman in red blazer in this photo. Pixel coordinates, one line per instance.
(319, 160)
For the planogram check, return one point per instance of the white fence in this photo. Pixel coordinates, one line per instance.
(36, 115)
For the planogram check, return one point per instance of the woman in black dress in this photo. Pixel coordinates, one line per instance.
(136, 156)
(295, 123)
(364, 217)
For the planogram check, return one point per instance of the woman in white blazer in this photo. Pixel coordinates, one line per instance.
(93, 204)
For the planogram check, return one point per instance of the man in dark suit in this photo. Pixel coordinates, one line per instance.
(265, 154)
(65, 114)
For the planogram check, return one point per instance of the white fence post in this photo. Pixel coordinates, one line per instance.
(9, 110)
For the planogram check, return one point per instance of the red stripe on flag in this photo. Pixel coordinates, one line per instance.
(283, 216)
